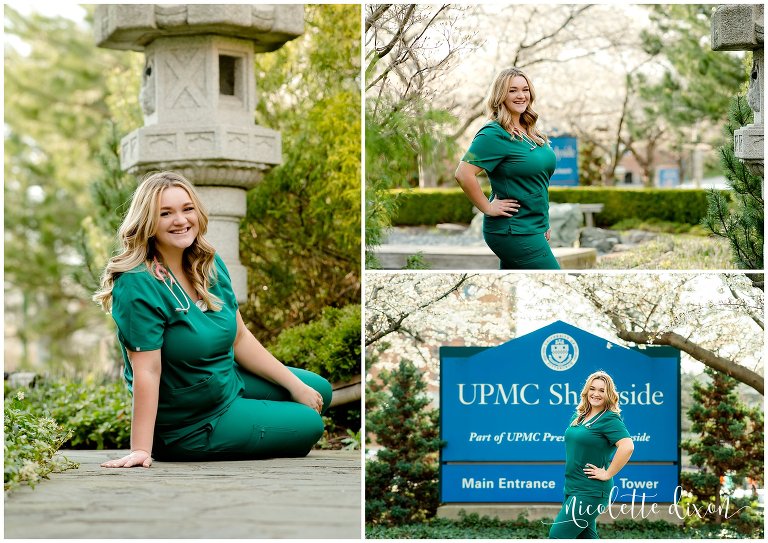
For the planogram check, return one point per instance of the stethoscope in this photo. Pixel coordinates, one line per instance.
(589, 424)
(526, 139)
(169, 281)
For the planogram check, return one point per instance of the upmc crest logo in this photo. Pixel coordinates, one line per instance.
(559, 352)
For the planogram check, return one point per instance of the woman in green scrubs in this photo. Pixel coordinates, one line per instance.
(203, 387)
(519, 162)
(596, 433)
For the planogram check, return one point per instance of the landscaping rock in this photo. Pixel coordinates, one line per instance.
(633, 237)
(599, 238)
(21, 379)
(475, 230)
(565, 220)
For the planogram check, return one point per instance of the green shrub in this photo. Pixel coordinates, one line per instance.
(328, 346)
(658, 225)
(688, 206)
(416, 262)
(432, 206)
(473, 526)
(31, 441)
(95, 415)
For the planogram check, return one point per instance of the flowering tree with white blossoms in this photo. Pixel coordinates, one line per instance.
(716, 319)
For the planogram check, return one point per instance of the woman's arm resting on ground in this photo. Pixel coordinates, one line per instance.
(146, 394)
(252, 356)
(624, 447)
(466, 176)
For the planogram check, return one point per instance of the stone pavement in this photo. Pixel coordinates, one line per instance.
(318, 496)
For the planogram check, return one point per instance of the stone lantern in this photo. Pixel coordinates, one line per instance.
(740, 27)
(198, 96)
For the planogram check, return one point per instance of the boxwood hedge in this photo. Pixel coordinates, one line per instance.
(449, 205)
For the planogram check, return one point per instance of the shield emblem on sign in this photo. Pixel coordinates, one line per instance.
(560, 351)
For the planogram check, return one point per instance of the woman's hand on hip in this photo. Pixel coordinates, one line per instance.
(136, 458)
(308, 396)
(548, 234)
(593, 472)
(502, 208)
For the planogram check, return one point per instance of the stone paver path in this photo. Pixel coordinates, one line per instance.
(318, 496)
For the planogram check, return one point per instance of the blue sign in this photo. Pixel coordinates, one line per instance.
(669, 177)
(567, 169)
(513, 403)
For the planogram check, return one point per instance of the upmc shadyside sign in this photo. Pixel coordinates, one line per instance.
(567, 168)
(512, 404)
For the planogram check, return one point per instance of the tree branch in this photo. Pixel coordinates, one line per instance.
(384, 51)
(396, 324)
(570, 18)
(373, 18)
(705, 356)
(755, 318)
(469, 120)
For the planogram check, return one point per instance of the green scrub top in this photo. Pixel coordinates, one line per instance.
(198, 378)
(517, 172)
(591, 445)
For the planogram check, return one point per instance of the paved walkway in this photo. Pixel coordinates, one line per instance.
(318, 496)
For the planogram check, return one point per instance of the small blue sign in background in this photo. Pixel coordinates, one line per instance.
(567, 169)
(669, 177)
(512, 404)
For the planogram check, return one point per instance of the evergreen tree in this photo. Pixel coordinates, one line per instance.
(401, 482)
(742, 221)
(693, 91)
(730, 443)
(697, 82)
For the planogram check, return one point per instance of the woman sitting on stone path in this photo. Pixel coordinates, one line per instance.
(203, 386)
(519, 162)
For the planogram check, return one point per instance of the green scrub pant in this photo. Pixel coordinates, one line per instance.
(522, 251)
(263, 423)
(577, 519)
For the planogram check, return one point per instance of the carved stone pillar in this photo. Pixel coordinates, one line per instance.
(198, 96)
(740, 28)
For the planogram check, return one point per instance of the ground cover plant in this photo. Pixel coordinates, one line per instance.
(672, 252)
(31, 443)
(95, 412)
(89, 413)
(475, 527)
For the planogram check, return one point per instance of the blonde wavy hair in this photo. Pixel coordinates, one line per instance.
(611, 397)
(495, 109)
(136, 237)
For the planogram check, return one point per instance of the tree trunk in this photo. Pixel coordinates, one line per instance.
(718, 514)
(427, 174)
